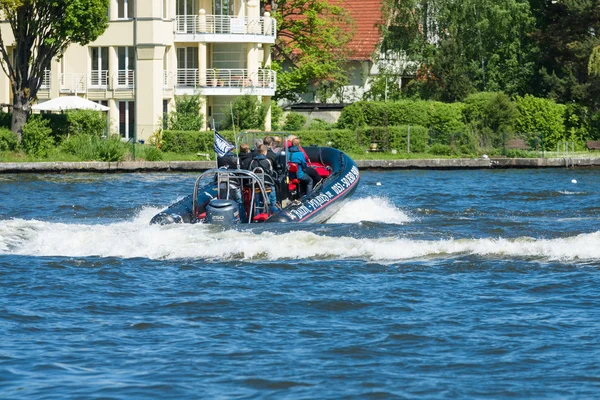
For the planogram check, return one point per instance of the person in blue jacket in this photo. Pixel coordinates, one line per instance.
(297, 157)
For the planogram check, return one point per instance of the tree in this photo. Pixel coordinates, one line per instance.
(311, 47)
(42, 30)
(567, 35)
(187, 115)
(463, 47)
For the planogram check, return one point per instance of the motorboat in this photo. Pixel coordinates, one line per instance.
(228, 196)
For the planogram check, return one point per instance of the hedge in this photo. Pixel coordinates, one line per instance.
(444, 117)
(191, 141)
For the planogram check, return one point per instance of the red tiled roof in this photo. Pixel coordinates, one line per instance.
(368, 19)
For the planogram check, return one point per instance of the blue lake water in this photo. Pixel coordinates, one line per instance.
(434, 284)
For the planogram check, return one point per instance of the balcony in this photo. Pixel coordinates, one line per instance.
(226, 82)
(73, 83)
(45, 80)
(225, 29)
(99, 80)
(125, 79)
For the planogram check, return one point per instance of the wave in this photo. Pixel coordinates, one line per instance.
(131, 239)
(371, 209)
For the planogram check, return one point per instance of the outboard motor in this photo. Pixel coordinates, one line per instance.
(222, 212)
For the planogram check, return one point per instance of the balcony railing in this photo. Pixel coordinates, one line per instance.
(99, 79)
(125, 79)
(188, 78)
(46, 80)
(73, 83)
(218, 24)
(226, 78)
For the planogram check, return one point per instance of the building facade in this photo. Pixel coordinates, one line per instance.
(155, 50)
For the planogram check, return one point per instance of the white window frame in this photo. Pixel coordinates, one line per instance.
(125, 9)
(128, 134)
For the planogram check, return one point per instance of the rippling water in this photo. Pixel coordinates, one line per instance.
(434, 284)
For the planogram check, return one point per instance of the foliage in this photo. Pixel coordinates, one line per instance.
(82, 146)
(8, 140)
(37, 140)
(186, 116)
(343, 139)
(490, 116)
(436, 115)
(152, 154)
(248, 113)
(91, 147)
(566, 36)
(541, 117)
(311, 44)
(439, 149)
(294, 122)
(42, 30)
(462, 47)
(87, 122)
(5, 118)
(318, 124)
(111, 149)
(184, 142)
(276, 114)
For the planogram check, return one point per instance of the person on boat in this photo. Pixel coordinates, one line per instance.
(276, 145)
(298, 157)
(261, 161)
(268, 141)
(245, 156)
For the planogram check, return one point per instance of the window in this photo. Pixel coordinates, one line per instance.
(99, 72)
(127, 119)
(126, 56)
(125, 8)
(187, 66)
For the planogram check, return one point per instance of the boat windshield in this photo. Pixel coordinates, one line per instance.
(249, 185)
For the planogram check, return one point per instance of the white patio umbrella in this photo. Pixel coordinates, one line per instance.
(64, 103)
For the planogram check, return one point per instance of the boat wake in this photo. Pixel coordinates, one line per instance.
(135, 238)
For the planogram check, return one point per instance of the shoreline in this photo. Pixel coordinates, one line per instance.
(197, 166)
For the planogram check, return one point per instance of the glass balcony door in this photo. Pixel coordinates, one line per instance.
(187, 16)
(187, 67)
(99, 71)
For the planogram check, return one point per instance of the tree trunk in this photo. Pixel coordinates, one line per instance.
(20, 112)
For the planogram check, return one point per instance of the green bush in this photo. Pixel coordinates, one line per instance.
(111, 149)
(248, 113)
(152, 154)
(87, 122)
(396, 137)
(37, 140)
(352, 117)
(439, 149)
(5, 119)
(431, 114)
(186, 116)
(318, 124)
(84, 147)
(343, 139)
(541, 116)
(490, 115)
(276, 114)
(183, 142)
(59, 123)
(8, 140)
(294, 122)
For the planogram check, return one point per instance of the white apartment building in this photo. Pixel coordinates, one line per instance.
(155, 50)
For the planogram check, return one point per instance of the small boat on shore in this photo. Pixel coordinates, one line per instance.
(228, 196)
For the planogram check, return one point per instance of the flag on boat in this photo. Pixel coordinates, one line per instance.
(222, 146)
